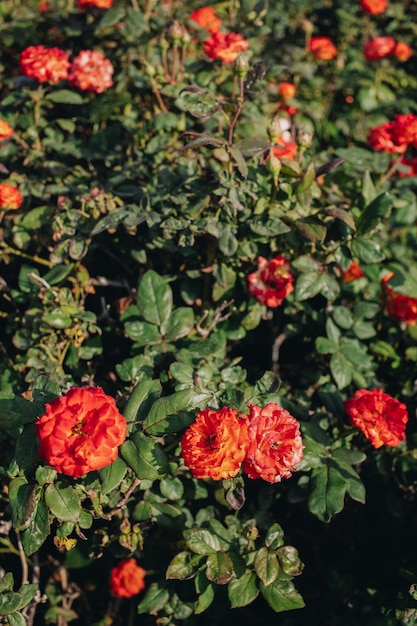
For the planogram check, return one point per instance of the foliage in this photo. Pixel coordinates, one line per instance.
(145, 208)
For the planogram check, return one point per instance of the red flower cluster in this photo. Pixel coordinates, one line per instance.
(90, 4)
(5, 130)
(322, 48)
(206, 19)
(395, 136)
(127, 579)
(276, 447)
(268, 443)
(379, 416)
(91, 71)
(380, 47)
(10, 197)
(215, 445)
(352, 273)
(47, 65)
(81, 431)
(400, 308)
(286, 91)
(225, 46)
(272, 282)
(374, 6)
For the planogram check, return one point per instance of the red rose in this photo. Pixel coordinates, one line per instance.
(385, 137)
(379, 416)
(127, 579)
(352, 273)
(379, 47)
(400, 308)
(322, 48)
(284, 149)
(225, 46)
(207, 19)
(410, 164)
(90, 4)
(404, 129)
(45, 64)
(5, 130)
(81, 431)
(214, 446)
(272, 282)
(286, 90)
(402, 51)
(374, 6)
(10, 197)
(276, 447)
(91, 71)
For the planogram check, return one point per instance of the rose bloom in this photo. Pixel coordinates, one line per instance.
(5, 130)
(272, 282)
(379, 416)
(402, 51)
(385, 137)
(127, 579)
(91, 71)
(80, 431)
(47, 65)
(10, 197)
(352, 273)
(322, 48)
(410, 164)
(215, 445)
(374, 6)
(286, 90)
(400, 308)
(207, 19)
(276, 447)
(284, 149)
(379, 47)
(225, 46)
(90, 4)
(404, 128)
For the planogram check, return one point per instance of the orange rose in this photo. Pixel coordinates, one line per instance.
(10, 197)
(352, 273)
(400, 308)
(374, 6)
(272, 282)
(284, 149)
(45, 64)
(80, 431)
(90, 4)
(91, 71)
(385, 137)
(379, 47)
(207, 19)
(5, 130)
(276, 447)
(379, 416)
(214, 446)
(322, 48)
(127, 579)
(225, 46)
(402, 51)
(286, 90)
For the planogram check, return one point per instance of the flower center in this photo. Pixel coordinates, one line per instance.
(77, 429)
(211, 441)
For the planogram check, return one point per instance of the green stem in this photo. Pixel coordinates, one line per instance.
(35, 258)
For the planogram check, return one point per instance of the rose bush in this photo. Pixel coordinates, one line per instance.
(208, 303)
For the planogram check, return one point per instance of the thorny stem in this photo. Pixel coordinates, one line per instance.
(218, 317)
(158, 96)
(240, 101)
(126, 497)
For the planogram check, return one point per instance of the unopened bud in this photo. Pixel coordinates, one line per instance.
(280, 127)
(175, 31)
(242, 65)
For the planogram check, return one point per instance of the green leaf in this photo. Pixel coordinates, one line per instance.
(225, 278)
(171, 488)
(179, 324)
(202, 541)
(311, 229)
(372, 215)
(281, 595)
(23, 501)
(58, 319)
(308, 285)
(307, 180)
(290, 561)
(219, 568)
(16, 619)
(34, 536)
(243, 590)
(16, 412)
(167, 413)
(184, 566)
(327, 491)
(9, 602)
(112, 475)
(343, 317)
(206, 592)
(65, 96)
(274, 537)
(326, 346)
(141, 399)
(155, 299)
(143, 333)
(27, 593)
(63, 502)
(6, 582)
(367, 251)
(266, 565)
(238, 158)
(145, 456)
(341, 370)
(110, 18)
(155, 599)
